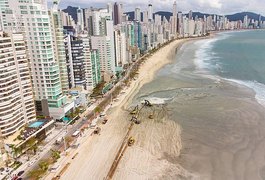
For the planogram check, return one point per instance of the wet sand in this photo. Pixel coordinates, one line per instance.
(223, 126)
(97, 154)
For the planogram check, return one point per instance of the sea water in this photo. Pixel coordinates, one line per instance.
(215, 90)
(236, 56)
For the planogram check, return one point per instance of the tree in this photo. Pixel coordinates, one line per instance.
(35, 174)
(97, 109)
(30, 145)
(16, 151)
(77, 111)
(44, 165)
(55, 155)
(68, 140)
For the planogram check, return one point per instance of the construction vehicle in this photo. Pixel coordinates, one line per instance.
(147, 103)
(135, 120)
(151, 116)
(104, 121)
(97, 130)
(135, 110)
(131, 141)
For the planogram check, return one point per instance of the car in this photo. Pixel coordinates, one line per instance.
(102, 115)
(20, 173)
(31, 163)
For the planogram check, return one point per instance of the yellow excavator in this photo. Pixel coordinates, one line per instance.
(131, 141)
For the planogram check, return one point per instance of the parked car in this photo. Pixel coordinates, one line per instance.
(20, 173)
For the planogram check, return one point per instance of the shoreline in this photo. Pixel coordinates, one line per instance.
(98, 152)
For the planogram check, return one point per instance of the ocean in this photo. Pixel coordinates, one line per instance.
(215, 90)
(238, 57)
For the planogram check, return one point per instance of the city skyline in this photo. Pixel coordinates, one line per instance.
(222, 7)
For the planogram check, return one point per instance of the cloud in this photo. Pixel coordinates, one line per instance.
(208, 6)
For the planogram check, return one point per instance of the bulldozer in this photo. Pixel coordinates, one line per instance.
(131, 141)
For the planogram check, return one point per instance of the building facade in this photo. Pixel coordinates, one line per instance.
(16, 96)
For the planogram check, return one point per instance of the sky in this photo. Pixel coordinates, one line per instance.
(222, 7)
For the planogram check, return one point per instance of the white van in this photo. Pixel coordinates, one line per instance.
(76, 133)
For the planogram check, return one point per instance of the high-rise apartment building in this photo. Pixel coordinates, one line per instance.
(117, 13)
(59, 49)
(32, 18)
(150, 12)
(16, 96)
(104, 45)
(137, 14)
(92, 64)
(75, 61)
(80, 20)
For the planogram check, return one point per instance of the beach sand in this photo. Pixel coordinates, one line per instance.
(154, 141)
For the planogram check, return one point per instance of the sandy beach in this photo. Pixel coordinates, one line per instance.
(153, 139)
(210, 128)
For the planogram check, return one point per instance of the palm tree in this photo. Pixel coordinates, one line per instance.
(16, 151)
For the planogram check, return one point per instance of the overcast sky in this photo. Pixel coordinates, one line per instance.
(207, 6)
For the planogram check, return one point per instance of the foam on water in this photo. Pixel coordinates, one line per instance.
(157, 100)
(204, 61)
(204, 56)
(258, 88)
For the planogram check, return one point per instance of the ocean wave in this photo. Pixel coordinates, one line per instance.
(204, 55)
(258, 88)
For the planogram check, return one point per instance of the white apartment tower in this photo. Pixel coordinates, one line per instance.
(174, 19)
(16, 96)
(33, 19)
(150, 12)
(80, 20)
(137, 14)
(104, 45)
(59, 49)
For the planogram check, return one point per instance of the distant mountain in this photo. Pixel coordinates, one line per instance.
(240, 16)
(233, 17)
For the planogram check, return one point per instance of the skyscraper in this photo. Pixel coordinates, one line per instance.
(16, 96)
(190, 14)
(150, 12)
(92, 64)
(32, 18)
(117, 13)
(80, 20)
(174, 20)
(175, 12)
(145, 16)
(137, 14)
(104, 46)
(59, 49)
(75, 61)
